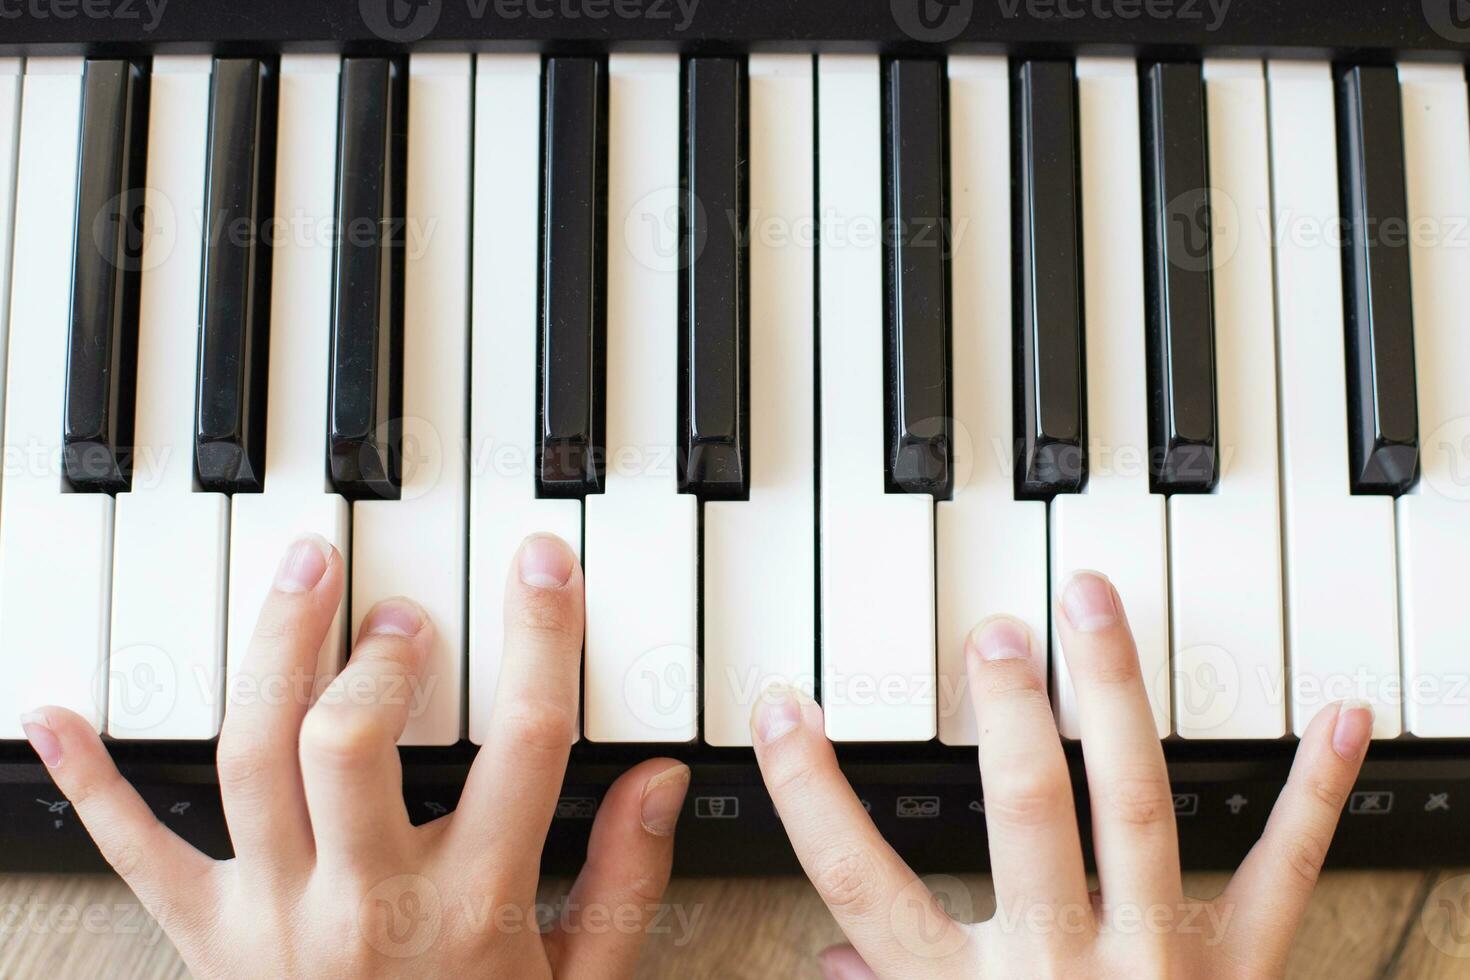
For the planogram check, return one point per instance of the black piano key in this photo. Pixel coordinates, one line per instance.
(1383, 409)
(365, 426)
(714, 396)
(1182, 424)
(234, 325)
(916, 278)
(102, 354)
(573, 341)
(1049, 390)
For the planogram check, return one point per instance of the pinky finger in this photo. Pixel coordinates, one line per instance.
(1271, 890)
(163, 869)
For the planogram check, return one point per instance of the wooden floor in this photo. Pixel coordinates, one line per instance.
(1409, 924)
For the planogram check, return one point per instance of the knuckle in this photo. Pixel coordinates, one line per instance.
(126, 857)
(403, 652)
(1141, 799)
(847, 882)
(549, 616)
(1017, 681)
(1304, 856)
(789, 777)
(1026, 797)
(240, 761)
(541, 726)
(338, 739)
(1328, 793)
(280, 624)
(1114, 665)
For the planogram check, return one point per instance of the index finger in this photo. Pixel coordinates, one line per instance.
(880, 904)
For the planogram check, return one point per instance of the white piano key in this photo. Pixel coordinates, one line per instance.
(10, 81)
(642, 534)
(760, 554)
(55, 546)
(1342, 619)
(1229, 640)
(1115, 525)
(1434, 517)
(166, 671)
(503, 504)
(878, 669)
(416, 546)
(297, 498)
(991, 548)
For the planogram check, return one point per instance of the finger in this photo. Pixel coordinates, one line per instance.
(259, 777)
(621, 887)
(169, 876)
(1030, 816)
(880, 905)
(843, 963)
(349, 740)
(518, 773)
(1268, 895)
(1132, 808)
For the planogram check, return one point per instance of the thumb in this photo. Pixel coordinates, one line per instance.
(629, 858)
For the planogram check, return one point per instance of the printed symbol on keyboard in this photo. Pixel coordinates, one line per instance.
(1437, 802)
(143, 687)
(977, 806)
(717, 807)
(917, 807)
(180, 808)
(1207, 684)
(58, 807)
(1445, 916)
(1186, 804)
(933, 21)
(1371, 801)
(867, 807)
(660, 688)
(576, 808)
(1450, 19)
(1237, 803)
(400, 916)
(437, 809)
(400, 21)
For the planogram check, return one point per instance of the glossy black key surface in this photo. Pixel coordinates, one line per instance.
(102, 353)
(1182, 423)
(234, 326)
(1049, 389)
(569, 405)
(1383, 407)
(916, 278)
(365, 425)
(714, 358)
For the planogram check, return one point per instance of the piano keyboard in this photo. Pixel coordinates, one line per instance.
(817, 360)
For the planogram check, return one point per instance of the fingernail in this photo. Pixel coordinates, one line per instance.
(842, 963)
(545, 562)
(304, 564)
(663, 798)
(394, 617)
(777, 712)
(42, 738)
(1353, 728)
(1088, 602)
(1001, 638)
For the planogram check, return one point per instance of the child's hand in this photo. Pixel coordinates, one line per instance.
(1047, 924)
(329, 878)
